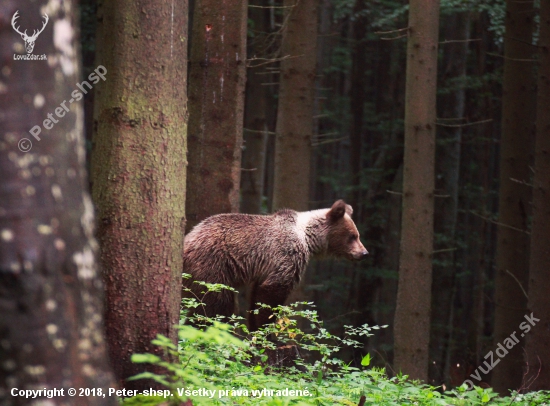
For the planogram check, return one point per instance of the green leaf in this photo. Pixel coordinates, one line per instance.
(148, 375)
(144, 358)
(366, 360)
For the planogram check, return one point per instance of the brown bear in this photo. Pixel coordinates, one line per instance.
(269, 251)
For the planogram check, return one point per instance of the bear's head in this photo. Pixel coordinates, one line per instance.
(343, 237)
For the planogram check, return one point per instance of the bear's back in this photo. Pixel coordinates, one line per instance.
(241, 248)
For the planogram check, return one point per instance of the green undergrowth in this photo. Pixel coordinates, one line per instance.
(225, 364)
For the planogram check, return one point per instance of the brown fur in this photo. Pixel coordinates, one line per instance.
(271, 252)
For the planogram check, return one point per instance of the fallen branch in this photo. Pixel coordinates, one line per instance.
(452, 41)
(444, 250)
(522, 182)
(259, 131)
(399, 36)
(268, 60)
(254, 6)
(392, 31)
(316, 144)
(519, 283)
(511, 59)
(500, 224)
(325, 135)
(465, 124)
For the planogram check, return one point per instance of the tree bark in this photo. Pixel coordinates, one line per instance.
(255, 123)
(512, 255)
(51, 329)
(295, 114)
(412, 315)
(538, 340)
(216, 106)
(138, 172)
(448, 150)
(357, 97)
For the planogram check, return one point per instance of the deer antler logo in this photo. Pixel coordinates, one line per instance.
(29, 40)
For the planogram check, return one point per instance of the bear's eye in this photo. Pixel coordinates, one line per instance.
(353, 237)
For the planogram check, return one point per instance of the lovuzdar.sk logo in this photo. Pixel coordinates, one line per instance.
(29, 39)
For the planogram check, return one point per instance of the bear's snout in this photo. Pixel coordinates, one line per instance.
(361, 255)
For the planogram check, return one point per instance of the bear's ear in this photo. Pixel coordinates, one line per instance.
(337, 211)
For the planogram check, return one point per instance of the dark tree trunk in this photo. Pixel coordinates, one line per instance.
(255, 122)
(412, 314)
(473, 317)
(51, 328)
(138, 172)
(358, 96)
(295, 113)
(390, 106)
(538, 340)
(362, 303)
(216, 106)
(512, 258)
(456, 28)
(387, 290)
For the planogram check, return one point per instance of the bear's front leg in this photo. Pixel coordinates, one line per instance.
(272, 294)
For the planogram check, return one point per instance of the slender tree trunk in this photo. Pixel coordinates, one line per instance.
(457, 27)
(361, 302)
(478, 168)
(391, 101)
(320, 190)
(295, 114)
(358, 97)
(412, 315)
(538, 340)
(255, 123)
(512, 260)
(387, 291)
(138, 170)
(51, 328)
(255, 146)
(216, 106)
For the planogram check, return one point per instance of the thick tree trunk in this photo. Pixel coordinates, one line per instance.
(512, 258)
(295, 114)
(412, 315)
(51, 328)
(216, 106)
(538, 340)
(138, 172)
(457, 27)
